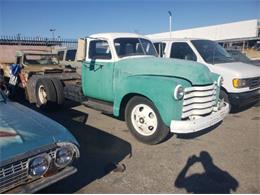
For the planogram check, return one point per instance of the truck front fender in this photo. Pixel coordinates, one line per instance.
(158, 89)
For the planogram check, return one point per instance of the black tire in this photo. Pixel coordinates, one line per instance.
(159, 134)
(59, 91)
(49, 88)
(224, 95)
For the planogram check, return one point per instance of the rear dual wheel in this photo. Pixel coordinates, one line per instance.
(49, 93)
(144, 121)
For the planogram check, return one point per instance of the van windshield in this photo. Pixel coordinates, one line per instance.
(212, 52)
(134, 47)
(41, 59)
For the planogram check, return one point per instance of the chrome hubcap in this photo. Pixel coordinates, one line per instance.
(144, 119)
(42, 94)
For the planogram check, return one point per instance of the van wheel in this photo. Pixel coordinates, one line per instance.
(45, 93)
(144, 121)
(224, 95)
(59, 91)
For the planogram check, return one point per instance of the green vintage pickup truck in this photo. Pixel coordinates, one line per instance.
(122, 75)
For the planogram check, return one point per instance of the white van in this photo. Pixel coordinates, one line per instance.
(241, 83)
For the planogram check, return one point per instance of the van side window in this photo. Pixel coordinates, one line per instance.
(183, 51)
(70, 55)
(99, 49)
(160, 48)
(60, 55)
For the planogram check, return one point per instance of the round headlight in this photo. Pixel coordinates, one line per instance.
(39, 166)
(64, 156)
(178, 92)
(220, 81)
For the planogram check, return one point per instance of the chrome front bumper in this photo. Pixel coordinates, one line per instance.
(198, 124)
(43, 182)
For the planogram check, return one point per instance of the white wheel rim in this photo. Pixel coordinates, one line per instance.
(144, 119)
(42, 94)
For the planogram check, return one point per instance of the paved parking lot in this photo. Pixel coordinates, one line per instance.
(225, 159)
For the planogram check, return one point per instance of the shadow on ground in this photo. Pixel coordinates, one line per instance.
(98, 150)
(212, 181)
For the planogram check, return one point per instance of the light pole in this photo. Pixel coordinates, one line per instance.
(170, 23)
(53, 30)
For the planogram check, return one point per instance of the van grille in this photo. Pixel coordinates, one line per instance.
(199, 100)
(16, 174)
(253, 82)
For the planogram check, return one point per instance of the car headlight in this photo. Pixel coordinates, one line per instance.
(239, 83)
(220, 81)
(64, 156)
(39, 165)
(178, 92)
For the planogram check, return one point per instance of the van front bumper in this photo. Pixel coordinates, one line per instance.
(201, 123)
(245, 98)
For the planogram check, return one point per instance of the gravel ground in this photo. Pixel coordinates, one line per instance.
(220, 160)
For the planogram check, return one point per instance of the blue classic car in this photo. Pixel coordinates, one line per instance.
(35, 151)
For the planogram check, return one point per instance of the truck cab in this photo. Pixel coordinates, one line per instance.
(155, 96)
(241, 83)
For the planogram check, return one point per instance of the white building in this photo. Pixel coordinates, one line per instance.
(242, 30)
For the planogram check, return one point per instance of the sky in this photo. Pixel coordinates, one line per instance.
(79, 18)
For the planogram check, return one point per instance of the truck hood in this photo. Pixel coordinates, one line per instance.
(239, 69)
(23, 130)
(196, 73)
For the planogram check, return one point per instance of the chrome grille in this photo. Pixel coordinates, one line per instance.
(253, 82)
(16, 174)
(199, 100)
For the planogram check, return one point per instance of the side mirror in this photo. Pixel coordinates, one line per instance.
(81, 51)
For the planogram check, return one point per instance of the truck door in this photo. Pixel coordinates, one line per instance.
(98, 70)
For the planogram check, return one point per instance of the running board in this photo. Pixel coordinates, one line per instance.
(105, 107)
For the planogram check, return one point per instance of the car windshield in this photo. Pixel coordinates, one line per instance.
(134, 47)
(238, 56)
(212, 52)
(41, 59)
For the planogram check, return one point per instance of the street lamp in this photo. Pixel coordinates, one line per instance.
(53, 30)
(170, 23)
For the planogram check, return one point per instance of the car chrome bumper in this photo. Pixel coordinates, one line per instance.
(191, 126)
(43, 182)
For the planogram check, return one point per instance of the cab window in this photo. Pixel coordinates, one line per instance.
(99, 49)
(181, 50)
(71, 54)
(60, 55)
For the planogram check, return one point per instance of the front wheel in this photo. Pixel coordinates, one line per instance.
(144, 121)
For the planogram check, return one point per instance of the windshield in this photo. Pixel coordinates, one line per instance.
(238, 56)
(134, 47)
(212, 52)
(41, 59)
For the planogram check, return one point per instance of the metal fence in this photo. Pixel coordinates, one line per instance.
(37, 41)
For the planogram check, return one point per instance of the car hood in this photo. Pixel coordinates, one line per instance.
(23, 130)
(196, 73)
(239, 69)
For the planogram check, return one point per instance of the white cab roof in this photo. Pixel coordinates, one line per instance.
(117, 35)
